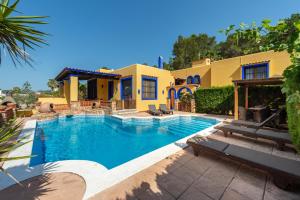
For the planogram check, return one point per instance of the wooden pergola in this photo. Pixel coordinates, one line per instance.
(247, 84)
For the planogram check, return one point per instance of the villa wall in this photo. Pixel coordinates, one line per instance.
(130, 71)
(54, 100)
(279, 61)
(223, 72)
(203, 71)
(136, 71)
(164, 79)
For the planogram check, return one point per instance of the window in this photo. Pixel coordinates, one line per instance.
(189, 80)
(149, 88)
(196, 79)
(260, 71)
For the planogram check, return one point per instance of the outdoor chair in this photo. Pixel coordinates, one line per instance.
(285, 172)
(153, 111)
(163, 108)
(255, 124)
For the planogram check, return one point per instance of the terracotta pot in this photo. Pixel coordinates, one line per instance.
(46, 108)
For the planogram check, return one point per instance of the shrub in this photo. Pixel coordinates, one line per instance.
(220, 100)
(215, 100)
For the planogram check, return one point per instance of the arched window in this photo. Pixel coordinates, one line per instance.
(197, 79)
(189, 80)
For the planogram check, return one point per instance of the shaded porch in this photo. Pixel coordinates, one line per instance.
(101, 87)
(251, 83)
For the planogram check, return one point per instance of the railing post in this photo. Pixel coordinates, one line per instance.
(113, 105)
(176, 104)
(123, 104)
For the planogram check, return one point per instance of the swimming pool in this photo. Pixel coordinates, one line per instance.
(108, 140)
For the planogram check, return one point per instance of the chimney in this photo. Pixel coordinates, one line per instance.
(160, 62)
(202, 62)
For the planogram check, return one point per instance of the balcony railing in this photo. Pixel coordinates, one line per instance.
(117, 104)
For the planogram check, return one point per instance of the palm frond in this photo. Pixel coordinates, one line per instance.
(17, 33)
(9, 141)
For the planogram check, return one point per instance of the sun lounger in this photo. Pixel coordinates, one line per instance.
(281, 138)
(285, 172)
(163, 108)
(255, 124)
(153, 111)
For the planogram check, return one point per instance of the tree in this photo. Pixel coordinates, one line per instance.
(53, 84)
(16, 90)
(283, 36)
(26, 96)
(230, 48)
(195, 47)
(26, 88)
(82, 91)
(18, 33)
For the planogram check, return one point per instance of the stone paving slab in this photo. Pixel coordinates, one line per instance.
(186, 177)
(54, 186)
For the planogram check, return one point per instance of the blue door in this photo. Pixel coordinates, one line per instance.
(110, 89)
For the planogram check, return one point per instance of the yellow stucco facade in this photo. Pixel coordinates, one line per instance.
(212, 74)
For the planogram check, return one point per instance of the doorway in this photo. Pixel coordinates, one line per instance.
(110, 89)
(126, 92)
(172, 97)
(92, 89)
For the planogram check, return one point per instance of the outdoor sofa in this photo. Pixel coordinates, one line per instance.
(285, 172)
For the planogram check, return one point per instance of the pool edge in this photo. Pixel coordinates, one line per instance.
(96, 176)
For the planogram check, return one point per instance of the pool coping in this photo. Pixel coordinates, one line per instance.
(96, 176)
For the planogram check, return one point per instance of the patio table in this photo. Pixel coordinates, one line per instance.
(257, 112)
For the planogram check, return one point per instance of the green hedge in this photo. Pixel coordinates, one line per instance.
(215, 100)
(220, 100)
(294, 124)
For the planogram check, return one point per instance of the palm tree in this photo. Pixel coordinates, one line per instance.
(17, 33)
(9, 141)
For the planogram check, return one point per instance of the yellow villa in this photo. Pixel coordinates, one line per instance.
(136, 86)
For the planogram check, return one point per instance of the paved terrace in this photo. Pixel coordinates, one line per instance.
(180, 176)
(207, 177)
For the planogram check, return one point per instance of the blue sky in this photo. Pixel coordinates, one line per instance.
(117, 33)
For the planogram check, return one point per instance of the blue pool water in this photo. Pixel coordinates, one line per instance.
(108, 140)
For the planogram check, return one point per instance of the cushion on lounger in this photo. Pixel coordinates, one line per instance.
(237, 129)
(211, 144)
(274, 135)
(246, 123)
(291, 167)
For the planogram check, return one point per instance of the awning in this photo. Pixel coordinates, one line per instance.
(84, 74)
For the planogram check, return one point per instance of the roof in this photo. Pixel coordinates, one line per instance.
(84, 74)
(255, 82)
